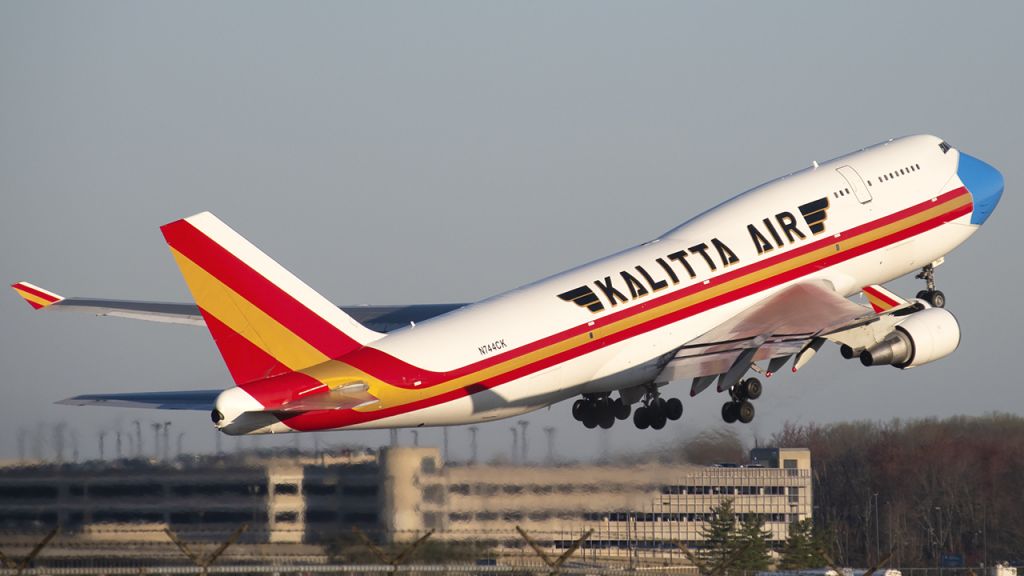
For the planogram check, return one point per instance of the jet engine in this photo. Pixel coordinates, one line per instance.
(923, 337)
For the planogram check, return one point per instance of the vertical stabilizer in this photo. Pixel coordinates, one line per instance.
(264, 320)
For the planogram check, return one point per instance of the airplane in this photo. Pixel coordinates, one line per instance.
(760, 280)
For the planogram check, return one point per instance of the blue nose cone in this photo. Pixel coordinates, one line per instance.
(985, 184)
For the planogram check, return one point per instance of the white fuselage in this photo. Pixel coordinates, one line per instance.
(503, 323)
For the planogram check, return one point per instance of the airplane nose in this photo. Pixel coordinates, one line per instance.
(985, 184)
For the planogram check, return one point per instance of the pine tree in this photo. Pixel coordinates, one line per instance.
(752, 544)
(720, 538)
(802, 548)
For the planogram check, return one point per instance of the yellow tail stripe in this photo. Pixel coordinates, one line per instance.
(243, 317)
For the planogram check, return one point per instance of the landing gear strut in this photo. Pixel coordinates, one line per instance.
(934, 297)
(740, 408)
(656, 411)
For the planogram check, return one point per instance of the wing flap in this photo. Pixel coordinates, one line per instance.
(779, 326)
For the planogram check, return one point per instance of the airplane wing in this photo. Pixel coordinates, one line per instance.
(379, 318)
(795, 321)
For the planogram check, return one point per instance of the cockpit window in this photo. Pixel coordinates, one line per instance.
(945, 147)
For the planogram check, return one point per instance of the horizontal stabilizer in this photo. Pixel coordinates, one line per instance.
(178, 400)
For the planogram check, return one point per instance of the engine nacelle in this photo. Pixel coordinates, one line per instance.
(923, 337)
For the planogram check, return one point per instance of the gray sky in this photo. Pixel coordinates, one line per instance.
(436, 152)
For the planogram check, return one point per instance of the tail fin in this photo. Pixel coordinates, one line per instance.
(264, 320)
(36, 296)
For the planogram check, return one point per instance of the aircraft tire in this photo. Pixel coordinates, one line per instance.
(590, 421)
(752, 388)
(934, 297)
(621, 409)
(674, 408)
(729, 412)
(658, 419)
(579, 409)
(640, 418)
(745, 412)
(607, 419)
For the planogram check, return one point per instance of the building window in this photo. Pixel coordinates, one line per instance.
(286, 517)
(434, 494)
(286, 488)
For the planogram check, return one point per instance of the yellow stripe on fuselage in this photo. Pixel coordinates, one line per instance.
(243, 317)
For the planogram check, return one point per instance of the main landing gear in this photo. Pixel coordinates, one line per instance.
(740, 408)
(599, 410)
(657, 411)
(934, 297)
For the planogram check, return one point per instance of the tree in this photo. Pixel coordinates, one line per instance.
(752, 544)
(802, 548)
(720, 538)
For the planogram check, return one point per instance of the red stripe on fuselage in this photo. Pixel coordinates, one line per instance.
(257, 289)
(385, 367)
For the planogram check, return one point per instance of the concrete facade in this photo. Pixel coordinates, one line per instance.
(404, 492)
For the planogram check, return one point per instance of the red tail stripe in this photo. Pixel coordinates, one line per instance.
(246, 361)
(257, 289)
(37, 293)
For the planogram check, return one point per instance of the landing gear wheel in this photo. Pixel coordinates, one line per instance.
(606, 420)
(752, 389)
(745, 412)
(621, 409)
(590, 421)
(640, 418)
(729, 412)
(934, 297)
(658, 418)
(674, 409)
(579, 408)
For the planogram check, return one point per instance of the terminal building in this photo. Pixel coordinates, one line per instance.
(400, 493)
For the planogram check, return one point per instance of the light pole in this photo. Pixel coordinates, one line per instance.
(522, 425)
(472, 444)
(877, 522)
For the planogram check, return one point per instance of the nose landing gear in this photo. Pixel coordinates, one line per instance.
(934, 297)
(740, 408)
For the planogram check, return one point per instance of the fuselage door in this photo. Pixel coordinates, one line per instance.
(856, 183)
